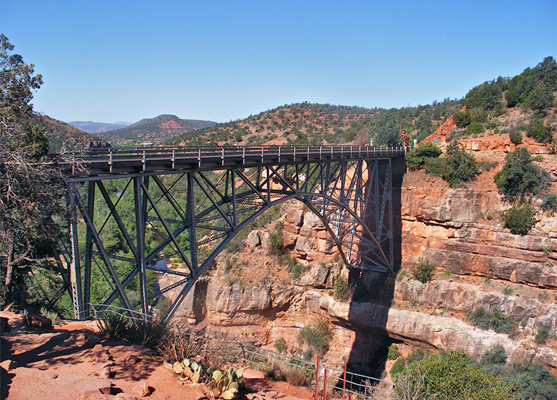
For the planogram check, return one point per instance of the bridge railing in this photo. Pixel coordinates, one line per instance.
(168, 158)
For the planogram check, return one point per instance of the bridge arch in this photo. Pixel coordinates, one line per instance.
(348, 188)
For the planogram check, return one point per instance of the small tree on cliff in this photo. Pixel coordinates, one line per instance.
(520, 178)
(29, 185)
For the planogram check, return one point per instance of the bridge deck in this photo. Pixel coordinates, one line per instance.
(164, 159)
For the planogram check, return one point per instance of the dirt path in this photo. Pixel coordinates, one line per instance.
(72, 362)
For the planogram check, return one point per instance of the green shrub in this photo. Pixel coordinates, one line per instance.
(341, 288)
(515, 135)
(456, 168)
(434, 166)
(462, 119)
(417, 157)
(540, 132)
(495, 321)
(114, 326)
(317, 335)
(520, 219)
(398, 367)
(423, 271)
(507, 291)
(496, 355)
(51, 315)
(474, 127)
(148, 333)
(280, 345)
(534, 382)
(275, 241)
(542, 335)
(519, 177)
(392, 353)
(451, 375)
(550, 202)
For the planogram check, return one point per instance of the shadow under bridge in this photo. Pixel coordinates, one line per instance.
(132, 209)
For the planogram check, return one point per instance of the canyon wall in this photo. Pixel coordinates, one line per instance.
(478, 263)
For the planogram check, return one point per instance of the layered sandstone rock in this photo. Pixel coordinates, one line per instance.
(459, 230)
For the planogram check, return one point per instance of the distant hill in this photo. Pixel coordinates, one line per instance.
(526, 102)
(60, 133)
(153, 130)
(315, 124)
(301, 123)
(97, 127)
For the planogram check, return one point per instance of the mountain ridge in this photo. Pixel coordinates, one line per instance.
(97, 127)
(152, 131)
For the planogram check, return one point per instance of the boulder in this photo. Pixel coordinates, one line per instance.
(253, 238)
(143, 390)
(38, 321)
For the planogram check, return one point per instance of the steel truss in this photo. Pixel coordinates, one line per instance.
(194, 213)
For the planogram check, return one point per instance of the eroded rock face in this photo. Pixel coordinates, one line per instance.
(459, 230)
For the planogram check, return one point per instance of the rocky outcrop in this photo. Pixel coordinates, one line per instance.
(460, 231)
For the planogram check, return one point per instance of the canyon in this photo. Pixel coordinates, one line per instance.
(249, 295)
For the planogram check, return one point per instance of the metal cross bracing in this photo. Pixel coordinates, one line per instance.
(132, 209)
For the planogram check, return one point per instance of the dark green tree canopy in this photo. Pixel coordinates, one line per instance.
(418, 156)
(29, 186)
(386, 131)
(520, 178)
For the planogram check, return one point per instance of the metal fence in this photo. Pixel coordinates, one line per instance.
(326, 382)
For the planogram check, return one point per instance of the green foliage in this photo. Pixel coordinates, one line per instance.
(31, 189)
(275, 241)
(280, 345)
(418, 156)
(423, 271)
(474, 127)
(550, 202)
(398, 367)
(114, 326)
(227, 383)
(392, 353)
(485, 96)
(534, 87)
(317, 335)
(520, 219)
(341, 289)
(534, 382)
(51, 315)
(148, 333)
(515, 135)
(540, 99)
(507, 291)
(495, 321)
(434, 166)
(456, 168)
(542, 335)
(451, 376)
(528, 381)
(386, 131)
(540, 132)
(462, 119)
(519, 177)
(496, 355)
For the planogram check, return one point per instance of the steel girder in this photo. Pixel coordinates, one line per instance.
(190, 217)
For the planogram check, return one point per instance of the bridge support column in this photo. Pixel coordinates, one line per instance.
(75, 269)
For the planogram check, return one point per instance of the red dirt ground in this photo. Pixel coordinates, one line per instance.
(69, 362)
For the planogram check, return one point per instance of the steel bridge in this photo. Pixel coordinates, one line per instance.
(187, 204)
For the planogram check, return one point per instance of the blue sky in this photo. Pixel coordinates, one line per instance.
(126, 60)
